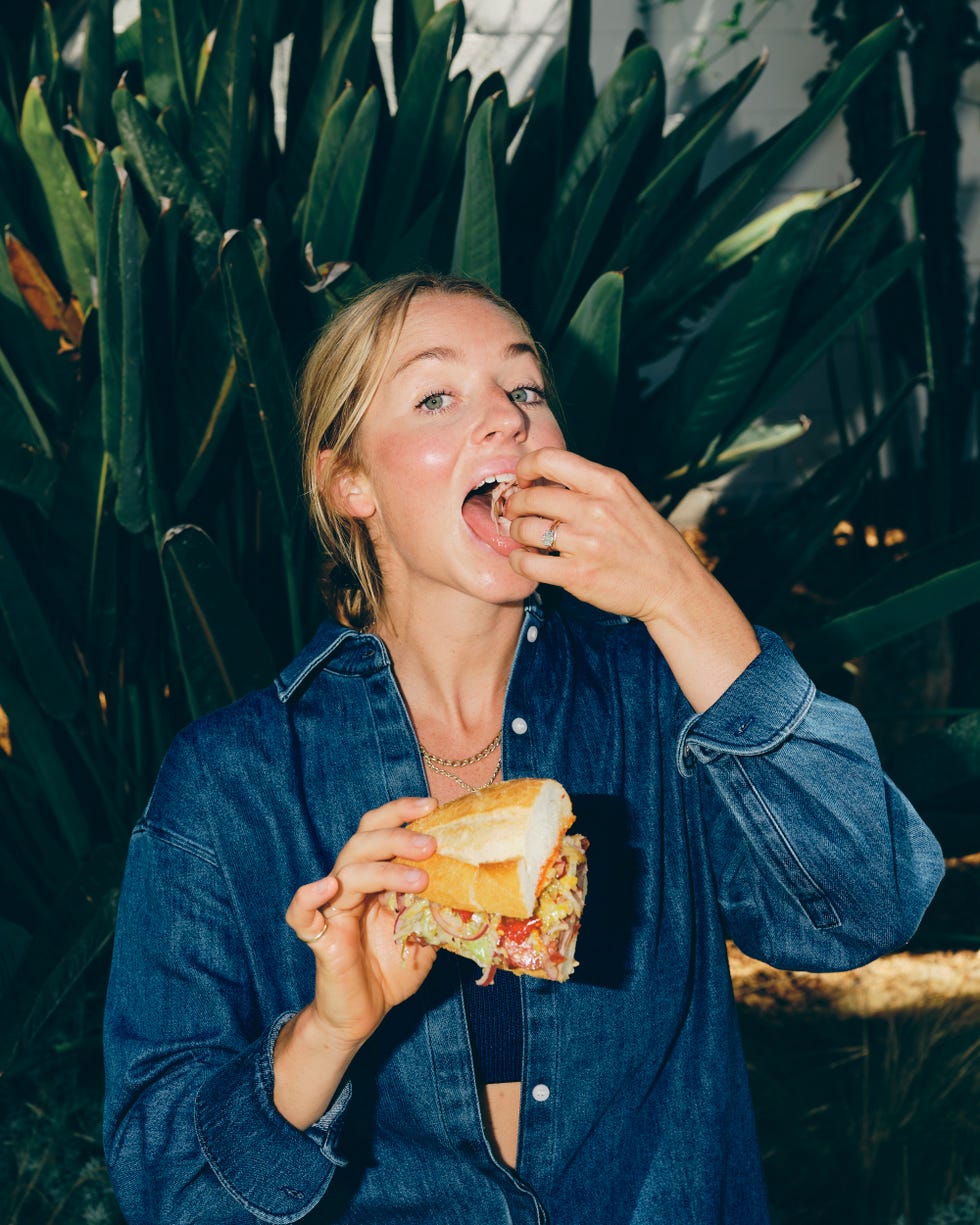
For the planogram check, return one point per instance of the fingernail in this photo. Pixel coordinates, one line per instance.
(423, 802)
(422, 840)
(413, 876)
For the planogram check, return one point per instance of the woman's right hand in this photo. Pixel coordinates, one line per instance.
(361, 972)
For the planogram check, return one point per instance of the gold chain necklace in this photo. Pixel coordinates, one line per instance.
(439, 764)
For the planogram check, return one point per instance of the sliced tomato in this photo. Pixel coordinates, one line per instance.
(516, 931)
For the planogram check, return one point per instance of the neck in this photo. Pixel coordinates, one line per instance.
(453, 660)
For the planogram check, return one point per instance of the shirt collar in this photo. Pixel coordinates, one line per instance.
(333, 639)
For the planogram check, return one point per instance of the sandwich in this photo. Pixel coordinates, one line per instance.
(506, 883)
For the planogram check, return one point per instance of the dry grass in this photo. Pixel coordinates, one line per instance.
(867, 1085)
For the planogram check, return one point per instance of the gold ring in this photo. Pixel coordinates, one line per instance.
(314, 939)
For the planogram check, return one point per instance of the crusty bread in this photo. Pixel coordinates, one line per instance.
(493, 848)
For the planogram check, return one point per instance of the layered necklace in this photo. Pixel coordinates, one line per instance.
(446, 765)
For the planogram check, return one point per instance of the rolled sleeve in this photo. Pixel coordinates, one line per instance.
(281, 1173)
(819, 860)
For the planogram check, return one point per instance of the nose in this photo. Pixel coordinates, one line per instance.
(502, 418)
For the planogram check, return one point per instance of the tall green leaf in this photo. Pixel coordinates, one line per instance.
(712, 389)
(854, 242)
(172, 32)
(933, 582)
(335, 128)
(681, 156)
(223, 653)
(416, 123)
(219, 131)
(344, 59)
(98, 71)
(476, 252)
(69, 213)
(770, 550)
(161, 170)
(408, 20)
(105, 204)
(743, 187)
(264, 377)
(936, 762)
(630, 105)
(53, 684)
(131, 504)
(207, 390)
(336, 205)
(803, 352)
(586, 363)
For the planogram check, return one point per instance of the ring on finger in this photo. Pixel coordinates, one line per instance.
(314, 939)
(550, 535)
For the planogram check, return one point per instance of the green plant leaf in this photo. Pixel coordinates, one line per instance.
(219, 130)
(628, 108)
(53, 963)
(207, 391)
(69, 213)
(45, 57)
(745, 185)
(131, 505)
(335, 128)
(24, 426)
(82, 519)
(725, 259)
(856, 239)
(158, 166)
(336, 219)
(770, 550)
(223, 653)
(931, 583)
(35, 745)
(756, 439)
(800, 355)
(171, 32)
(54, 685)
(14, 940)
(344, 60)
(680, 158)
(408, 19)
(586, 363)
(415, 127)
(578, 89)
(264, 378)
(712, 389)
(935, 762)
(476, 252)
(98, 75)
(105, 206)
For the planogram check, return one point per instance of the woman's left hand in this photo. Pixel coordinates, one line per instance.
(610, 548)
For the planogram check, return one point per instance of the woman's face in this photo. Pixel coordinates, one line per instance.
(461, 401)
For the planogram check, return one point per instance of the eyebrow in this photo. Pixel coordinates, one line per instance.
(446, 353)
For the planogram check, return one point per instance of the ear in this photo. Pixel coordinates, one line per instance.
(347, 489)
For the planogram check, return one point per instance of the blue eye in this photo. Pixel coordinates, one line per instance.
(434, 402)
(529, 394)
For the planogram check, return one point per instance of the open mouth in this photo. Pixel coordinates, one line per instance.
(483, 508)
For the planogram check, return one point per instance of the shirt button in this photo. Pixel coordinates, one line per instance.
(519, 726)
(532, 633)
(541, 1093)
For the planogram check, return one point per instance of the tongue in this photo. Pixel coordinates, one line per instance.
(476, 512)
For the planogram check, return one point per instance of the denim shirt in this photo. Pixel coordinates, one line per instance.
(766, 818)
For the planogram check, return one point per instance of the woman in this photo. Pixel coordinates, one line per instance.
(254, 1075)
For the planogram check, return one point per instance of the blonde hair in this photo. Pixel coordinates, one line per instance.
(341, 376)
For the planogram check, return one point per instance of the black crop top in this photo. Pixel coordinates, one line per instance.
(496, 1022)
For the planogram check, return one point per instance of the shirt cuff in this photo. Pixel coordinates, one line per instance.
(759, 710)
(270, 1167)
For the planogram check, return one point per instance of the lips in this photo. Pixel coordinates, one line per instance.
(482, 509)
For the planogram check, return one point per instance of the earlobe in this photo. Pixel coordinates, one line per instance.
(352, 493)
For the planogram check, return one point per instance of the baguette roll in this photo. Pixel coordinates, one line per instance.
(506, 884)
